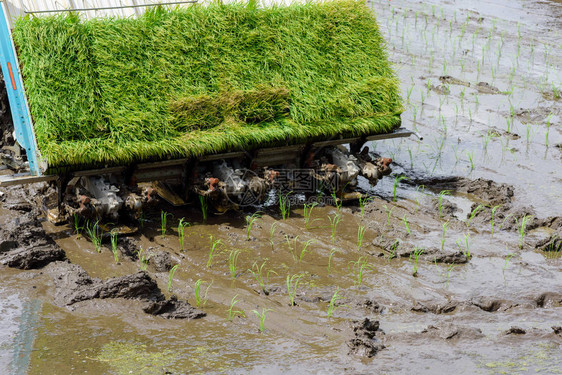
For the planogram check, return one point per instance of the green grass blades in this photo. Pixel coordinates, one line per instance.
(358, 269)
(171, 277)
(181, 232)
(95, 234)
(232, 312)
(292, 284)
(414, 257)
(284, 206)
(261, 276)
(191, 81)
(332, 305)
(164, 221)
(201, 300)
(397, 180)
(214, 245)
(143, 259)
(114, 250)
(261, 316)
(250, 220)
(232, 262)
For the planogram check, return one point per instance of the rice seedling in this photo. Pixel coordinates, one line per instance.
(307, 213)
(445, 225)
(95, 234)
(261, 316)
(548, 119)
(332, 252)
(521, 229)
(358, 269)
(504, 220)
(469, 154)
(232, 260)
(422, 97)
(164, 221)
(113, 238)
(204, 207)
(292, 284)
(261, 277)
(360, 234)
(143, 259)
(414, 257)
(397, 180)
(493, 220)
(292, 245)
(388, 213)
(171, 276)
(507, 258)
(250, 220)
(77, 227)
(201, 300)
(305, 249)
(272, 233)
(392, 250)
(141, 219)
(181, 232)
(440, 201)
(231, 312)
(449, 269)
(334, 221)
(337, 202)
(405, 221)
(363, 202)
(332, 305)
(212, 250)
(465, 248)
(285, 205)
(473, 214)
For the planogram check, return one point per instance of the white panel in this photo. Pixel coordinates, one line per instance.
(16, 8)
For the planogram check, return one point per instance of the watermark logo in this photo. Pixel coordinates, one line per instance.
(246, 188)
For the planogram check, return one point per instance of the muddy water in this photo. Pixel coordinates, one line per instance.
(466, 309)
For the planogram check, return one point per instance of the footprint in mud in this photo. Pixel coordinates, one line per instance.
(367, 340)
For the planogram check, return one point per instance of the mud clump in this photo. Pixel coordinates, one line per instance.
(445, 208)
(491, 305)
(128, 248)
(435, 308)
(366, 342)
(74, 285)
(487, 190)
(372, 305)
(27, 259)
(552, 243)
(173, 309)
(25, 245)
(548, 299)
(160, 261)
(445, 256)
(486, 88)
(450, 331)
(515, 331)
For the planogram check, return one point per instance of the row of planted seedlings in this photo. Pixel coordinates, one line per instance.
(410, 25)
(264, 252)
(259, 254)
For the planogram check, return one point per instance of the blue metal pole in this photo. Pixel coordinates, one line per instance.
(23, 125)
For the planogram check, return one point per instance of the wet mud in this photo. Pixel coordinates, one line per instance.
(455, 269)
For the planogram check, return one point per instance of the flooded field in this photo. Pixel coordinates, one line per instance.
(455, 268)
